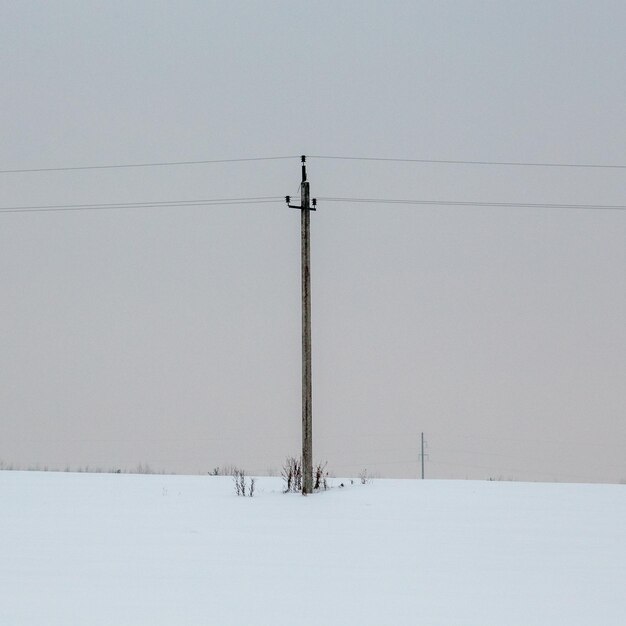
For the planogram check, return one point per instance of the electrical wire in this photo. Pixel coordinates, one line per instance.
(271, 199)
(467, 162)
(141, 205)
(614, 166)
(130, 165)
(472, 203)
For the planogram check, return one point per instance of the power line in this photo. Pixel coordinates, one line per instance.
(154, 164)
(472, 203)
(617, 166)
(267, 199)
(141, 205)
(465, 162)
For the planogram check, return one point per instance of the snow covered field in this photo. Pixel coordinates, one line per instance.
(153, 550)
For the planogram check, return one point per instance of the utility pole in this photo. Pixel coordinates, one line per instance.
(305, 259)
(422, 456)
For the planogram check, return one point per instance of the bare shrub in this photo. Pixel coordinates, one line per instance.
(292, 475)
(363, 477)
(229, 469)
(242, 487)
(239, 477)
(320, 477)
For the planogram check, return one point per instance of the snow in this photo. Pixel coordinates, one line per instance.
(96, 549)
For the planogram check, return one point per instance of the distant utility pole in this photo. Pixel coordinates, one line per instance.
(422, 456)
(307, 416)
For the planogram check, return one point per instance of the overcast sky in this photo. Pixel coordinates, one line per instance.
(171, 336)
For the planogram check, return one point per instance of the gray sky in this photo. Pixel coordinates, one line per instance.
(171, 336)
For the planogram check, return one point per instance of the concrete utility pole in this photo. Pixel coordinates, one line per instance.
(422, 455)
(307, 414)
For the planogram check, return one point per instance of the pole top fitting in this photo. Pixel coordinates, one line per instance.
(303, 157)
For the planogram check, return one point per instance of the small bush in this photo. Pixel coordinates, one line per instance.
(224, 470)
(363, 477)
(292, 475)
(242, 487)
(320, 477)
